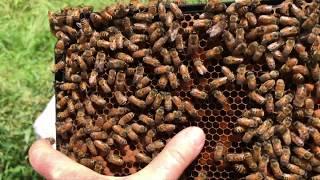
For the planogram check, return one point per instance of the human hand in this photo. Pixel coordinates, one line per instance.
(182, 149)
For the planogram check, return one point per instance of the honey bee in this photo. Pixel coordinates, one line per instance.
(173, 115)
(104, 86)
(114, 159)
(179, 43)
(118, 111)
(240, 168)
(250, 161)
(163, 69)
(101, 146)
(169, 18)
(138, 128)
(138, 75)
(140, 27)
(268, 134)
(216, 53)
(131, 134)
(235, 157)
(266, 86)
(314, 133)
(119, 130)
(198, 94)
(175, 57)
(216, 29)
(254, 176)
(193, 43)
(158, 45)
(137, 102)
(241, 74)
(178, 103)
(311, 21)
(201, 69)
(253, 95)
(219, 152)
(158, 100)
(302, 153)
(89, 107)
(165, 55)
(65, 126)
(146, 120)
(151, 61)
(119, 139)
(258, 53)
(149, 136)
(256, 151)
(167, 102)
(184, 72)
(300, 96)
(120, 83)
(248, 135)
(68, 86)
(151, 96)
(233, 22)
(279, 89)
(130, 46)
(99, 135)
(229, 40)
(126, 118)
(296, 139)
(173, 80)
(141, 53)
(202, 23)
(267, 124)
(159, 115)
(228, 73)
(155, 146)
(269, 103)
(140, 157)
(120, 98)
(316, 150)
(275, 167)
(143, 17)
(87, 162)
(216, 83)
(277, 147)
(267, 147)
(284, 100)
(286, 137)
(91, 147)
(189, 108)
(166, 128)
(263, 164)
(98, 100)
(246, 122)
(176, 10)
(62, 102)
(140, 93)
(229, 60)
(252, 19)
(143, 82)
(162, 11)
(124, 57)
(303, 130)
(138, 38)
(251, 80)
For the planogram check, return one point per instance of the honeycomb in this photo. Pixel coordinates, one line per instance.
(216, 121)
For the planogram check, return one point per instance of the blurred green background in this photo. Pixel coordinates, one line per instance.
(26, 59)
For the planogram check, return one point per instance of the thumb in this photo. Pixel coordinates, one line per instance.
(53, 164)
(176, 156)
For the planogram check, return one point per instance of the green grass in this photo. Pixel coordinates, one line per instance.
(26, 58)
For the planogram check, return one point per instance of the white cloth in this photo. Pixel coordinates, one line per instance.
(45, 124)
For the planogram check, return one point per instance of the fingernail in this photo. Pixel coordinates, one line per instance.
(51, 140)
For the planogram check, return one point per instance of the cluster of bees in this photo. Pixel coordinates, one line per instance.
(133, 53)
(282, 128)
